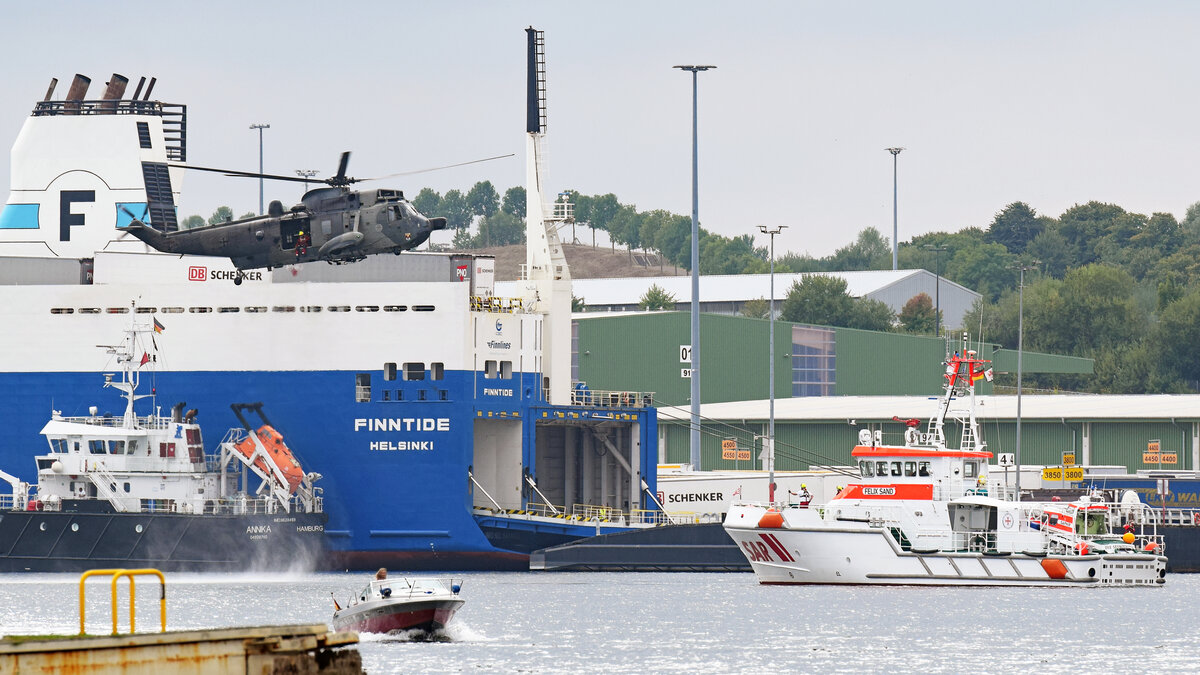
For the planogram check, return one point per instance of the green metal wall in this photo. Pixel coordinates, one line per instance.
(893, 364)
(800, 444)
(1124, 442)
(641, 353)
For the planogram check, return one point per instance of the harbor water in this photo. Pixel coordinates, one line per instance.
(695, 623)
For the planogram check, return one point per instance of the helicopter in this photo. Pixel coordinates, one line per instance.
(334, 224)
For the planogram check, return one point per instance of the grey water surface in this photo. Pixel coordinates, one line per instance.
(671, 623)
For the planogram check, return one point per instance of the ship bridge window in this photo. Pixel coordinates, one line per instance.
(395, 308)
(228, 310)
(62, 310)
(96, 446)
(311, 308)
(881, 468)
(895, 468)
(283, 308)
(366, 308)
(89, 310)
(118, 310)
(489, 370)
(256, 310)
(144, 310)
(910, 469)
(339, 308)
(414, 371)
(923, 468)
(423, 308)
(362, 387)
(389, 371)
(172, 310)
(59, 445)
(116, 447)
(867, 469)
(132, 448)
(970, 469)
(199, 310)
(437, 371)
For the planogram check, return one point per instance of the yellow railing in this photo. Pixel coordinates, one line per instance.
(116, 576)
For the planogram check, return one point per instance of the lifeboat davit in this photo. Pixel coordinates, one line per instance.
(272, 441)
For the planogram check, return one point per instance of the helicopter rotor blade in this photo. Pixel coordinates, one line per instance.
(342, 164)
(438, 168)
(247, 174)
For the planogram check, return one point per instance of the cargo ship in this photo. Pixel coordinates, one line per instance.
(138, 491)
(443, 418)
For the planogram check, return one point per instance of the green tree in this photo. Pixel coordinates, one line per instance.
(758, 308)
(657, 298)
(482, 199)
(500, 229)
(1052, 249)
(456, 210)
(918, 315)
(1015, 227)
(1099, 308)
(625, 228)
(578, 304)
(1191, 224)
(1177, 336)
(250, 214)
(514, 202)
(870, 251)
(428, 202)
(818, 299)
(223, 214)
(986, 268)
(870, 314)
(191, 222)
(1085, 225)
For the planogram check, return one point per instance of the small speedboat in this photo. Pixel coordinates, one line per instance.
(399, 604)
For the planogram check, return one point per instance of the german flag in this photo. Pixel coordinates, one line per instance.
(158, 327)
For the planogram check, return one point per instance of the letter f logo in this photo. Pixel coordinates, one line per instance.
(66, 219)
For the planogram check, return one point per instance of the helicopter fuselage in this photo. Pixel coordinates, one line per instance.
(332, 224)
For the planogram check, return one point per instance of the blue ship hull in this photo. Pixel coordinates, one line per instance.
(394, 468)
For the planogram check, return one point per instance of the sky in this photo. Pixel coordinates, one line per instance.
(1053, 104)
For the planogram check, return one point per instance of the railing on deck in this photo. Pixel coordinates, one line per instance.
(601, 398)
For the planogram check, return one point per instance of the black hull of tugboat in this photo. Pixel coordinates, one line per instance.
(46, 541)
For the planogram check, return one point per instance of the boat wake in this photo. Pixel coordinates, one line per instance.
(457, 631)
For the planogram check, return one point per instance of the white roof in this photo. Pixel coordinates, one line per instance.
(1033, 407)
(723, 287)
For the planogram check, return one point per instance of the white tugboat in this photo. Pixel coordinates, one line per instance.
(139, 490)
(923, 513)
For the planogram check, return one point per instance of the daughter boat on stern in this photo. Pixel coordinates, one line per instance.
(921, 513)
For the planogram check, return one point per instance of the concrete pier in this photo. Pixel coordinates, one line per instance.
(257, 650)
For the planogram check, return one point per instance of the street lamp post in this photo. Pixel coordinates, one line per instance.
(260, 128)
(937, 288)
(771, 369)
(895, 220)
(695, 426)
(1020, 349)
(306, 174)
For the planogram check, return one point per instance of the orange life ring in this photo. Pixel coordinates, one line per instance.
(1196, 517)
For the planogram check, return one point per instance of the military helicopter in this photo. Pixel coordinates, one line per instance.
(334, 224)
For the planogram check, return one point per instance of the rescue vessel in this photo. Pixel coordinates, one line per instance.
(923, 513)
(441, 416)
(137, 491)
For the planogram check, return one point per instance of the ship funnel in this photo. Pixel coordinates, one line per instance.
(50, 89)
(138, 92)
(114, 92)
(75, 94)
(149, 89)
(177, 412)
(116, 87)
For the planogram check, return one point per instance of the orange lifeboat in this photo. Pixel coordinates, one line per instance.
(771, 519)
(272, 441)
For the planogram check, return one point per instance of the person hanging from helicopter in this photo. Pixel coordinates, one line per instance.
(303, 241)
